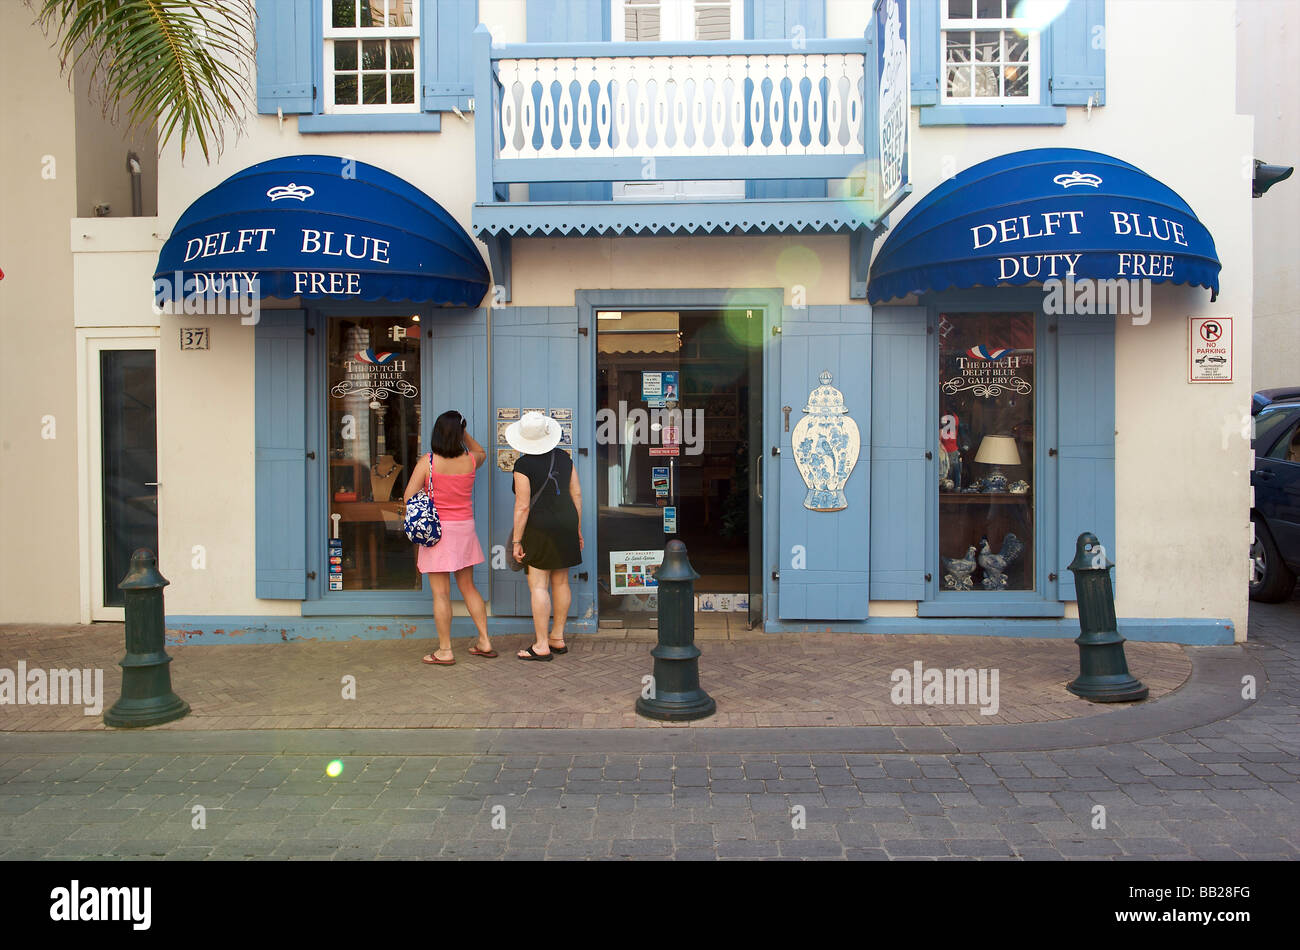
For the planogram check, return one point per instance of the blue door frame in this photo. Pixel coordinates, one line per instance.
(1042, 601)
(767, 300)
(320, 600)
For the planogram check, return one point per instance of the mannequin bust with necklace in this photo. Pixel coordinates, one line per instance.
(383, 475)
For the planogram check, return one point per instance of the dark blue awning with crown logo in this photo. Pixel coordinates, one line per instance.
(323, 227)
(1042, 214)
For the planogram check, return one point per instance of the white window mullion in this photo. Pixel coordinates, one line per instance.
(358, 36)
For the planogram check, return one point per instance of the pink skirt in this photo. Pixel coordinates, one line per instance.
(457, 548)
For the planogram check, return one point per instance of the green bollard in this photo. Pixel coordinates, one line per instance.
(676, 694)
(147, 697)
(1103, 669)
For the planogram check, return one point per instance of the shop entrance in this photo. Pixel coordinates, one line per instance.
(679, 421)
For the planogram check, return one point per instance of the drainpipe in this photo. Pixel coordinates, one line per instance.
(137, 199)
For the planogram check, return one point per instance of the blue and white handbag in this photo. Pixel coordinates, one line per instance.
(421, 522)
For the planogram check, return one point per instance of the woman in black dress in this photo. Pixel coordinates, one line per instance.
(547, 533)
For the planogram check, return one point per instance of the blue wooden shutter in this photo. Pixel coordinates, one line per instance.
(446, 29)
(536, 365)
(460, 382)
(833, 546)
(280, 411)
(559, 21)
(1085, 387)
(287, 37)
(901, 433)
(923, 48)
(780, 20)
(1078, 41)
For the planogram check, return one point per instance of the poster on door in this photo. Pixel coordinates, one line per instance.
(659, 480)
(658, 388)
(634, 572)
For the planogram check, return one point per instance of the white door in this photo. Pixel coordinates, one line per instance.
(661, 21)
(119, 480)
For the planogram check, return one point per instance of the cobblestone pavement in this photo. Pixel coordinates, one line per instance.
(1224, 790)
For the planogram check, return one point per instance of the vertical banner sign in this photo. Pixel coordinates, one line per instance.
(893, 84)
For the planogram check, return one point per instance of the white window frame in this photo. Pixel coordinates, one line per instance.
(332, 33)
(972, 24)
(677, 25)
(91, 342)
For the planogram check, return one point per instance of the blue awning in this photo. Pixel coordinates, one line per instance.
(1039, 214)
(323, 227)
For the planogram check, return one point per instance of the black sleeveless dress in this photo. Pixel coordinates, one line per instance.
(551, 535)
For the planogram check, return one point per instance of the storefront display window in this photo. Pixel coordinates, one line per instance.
(987, 396)
(373, 419)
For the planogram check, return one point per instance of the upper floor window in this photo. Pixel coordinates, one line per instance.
(372, 56)
(677, 20)
(1006, 62)
(989, 53)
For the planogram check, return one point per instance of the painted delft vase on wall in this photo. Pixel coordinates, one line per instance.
(826, 445)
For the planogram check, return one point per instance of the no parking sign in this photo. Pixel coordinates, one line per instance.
(1209, 350)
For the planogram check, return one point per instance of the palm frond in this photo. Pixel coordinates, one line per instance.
(186, 64)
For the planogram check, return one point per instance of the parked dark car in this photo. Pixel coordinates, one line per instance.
(1275, 553)
(1266, 396)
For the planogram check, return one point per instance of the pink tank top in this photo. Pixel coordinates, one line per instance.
(454, 496)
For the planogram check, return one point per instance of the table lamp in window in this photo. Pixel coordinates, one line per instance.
(997, 450)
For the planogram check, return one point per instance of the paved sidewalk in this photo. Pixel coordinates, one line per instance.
(1200, 774)
(826, 680)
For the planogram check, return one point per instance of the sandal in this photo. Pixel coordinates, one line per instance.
(432, 660)
(557, 651)
(543, 657)
(475, 651)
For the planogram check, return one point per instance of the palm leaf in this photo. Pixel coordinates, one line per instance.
(186, 64)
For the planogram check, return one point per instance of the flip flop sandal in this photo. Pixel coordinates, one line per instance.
(543, 657)
(432, 660)
(558, 651)
(475, 651)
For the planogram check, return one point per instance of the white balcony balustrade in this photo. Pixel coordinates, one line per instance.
(682, 106)
(589, 119)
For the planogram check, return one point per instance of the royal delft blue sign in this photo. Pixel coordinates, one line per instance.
(321, 227)
(893, 106)
(1040, 215)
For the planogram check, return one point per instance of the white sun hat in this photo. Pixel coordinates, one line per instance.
(534, 434)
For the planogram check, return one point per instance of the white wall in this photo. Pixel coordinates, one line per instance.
(1268, 86)
(39, 569)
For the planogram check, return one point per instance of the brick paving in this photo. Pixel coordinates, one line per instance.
(1222, 786)
(834, 680)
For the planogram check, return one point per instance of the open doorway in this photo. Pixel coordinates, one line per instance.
(679, 402)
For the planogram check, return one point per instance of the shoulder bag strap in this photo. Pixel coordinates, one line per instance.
(549, 472)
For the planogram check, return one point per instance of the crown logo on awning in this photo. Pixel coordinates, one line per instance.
(291, 190)
(1078, 178)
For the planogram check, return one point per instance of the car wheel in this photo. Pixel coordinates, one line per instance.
(1270, 580)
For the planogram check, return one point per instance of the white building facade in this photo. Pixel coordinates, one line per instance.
(690, 194)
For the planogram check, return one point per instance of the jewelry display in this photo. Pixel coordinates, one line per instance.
(383, 474)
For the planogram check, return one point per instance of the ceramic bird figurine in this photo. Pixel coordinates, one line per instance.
(995, 565)
(959, 571)
(1011, 547)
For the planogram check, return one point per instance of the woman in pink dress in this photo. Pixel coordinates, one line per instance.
(455, 459)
